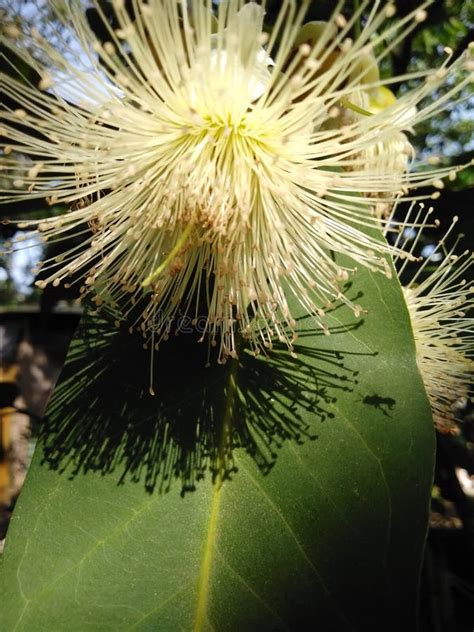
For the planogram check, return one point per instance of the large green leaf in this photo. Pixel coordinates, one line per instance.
(125, 523)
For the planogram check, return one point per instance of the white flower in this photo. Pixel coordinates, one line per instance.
(202, 157)
(393, 153)
(440, 302)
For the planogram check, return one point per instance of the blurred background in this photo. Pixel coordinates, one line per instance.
(36, 326)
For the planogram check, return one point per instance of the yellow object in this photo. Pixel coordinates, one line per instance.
(381, 98)
(9, 375)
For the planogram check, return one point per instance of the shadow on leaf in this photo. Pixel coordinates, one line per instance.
(102, 417)
(378, 402)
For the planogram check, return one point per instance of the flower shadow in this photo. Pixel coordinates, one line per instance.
(112, 423)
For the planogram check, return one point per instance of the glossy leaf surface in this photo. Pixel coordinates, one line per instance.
(125, 523)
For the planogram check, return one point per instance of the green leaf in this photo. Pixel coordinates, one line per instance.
(326, 461)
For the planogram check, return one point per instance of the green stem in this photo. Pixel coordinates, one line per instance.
(175, 250)
(357, 25)
(355, 108)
